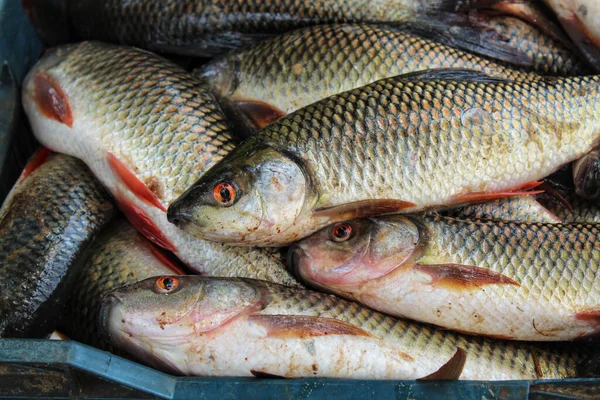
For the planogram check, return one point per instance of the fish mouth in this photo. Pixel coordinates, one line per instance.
(108, 304)
(293, 258)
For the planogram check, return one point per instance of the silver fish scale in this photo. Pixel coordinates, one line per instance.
(151, 110)
(308, 65)
(560, 263)
(396, 333)
(417, 140)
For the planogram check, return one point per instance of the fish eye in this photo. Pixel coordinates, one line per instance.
(166, 284)
(224, 193)
(341, 232)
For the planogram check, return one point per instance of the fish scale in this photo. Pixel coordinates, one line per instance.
(500, 354)
(148, 130)
(47, 222)
(412, 136)
(296, 69)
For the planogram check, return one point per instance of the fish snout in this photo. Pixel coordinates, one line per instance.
(178, 215)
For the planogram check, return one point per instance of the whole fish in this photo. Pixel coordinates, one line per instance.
(47, 222)
(205, 28)
(586, 175)
(148, 130)
(119, 256)
(520, 208)
(581, 20)
(194, 325)
(276, 77)
(511, 280)
(404, 144)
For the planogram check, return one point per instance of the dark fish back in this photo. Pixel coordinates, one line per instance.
(46, 224)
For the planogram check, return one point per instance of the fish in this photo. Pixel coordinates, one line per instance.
(521, 209)
(211, 27)
(581, 20)
(206, 326)
(47, 222)
(586, 175)
(414, 142)
(510, 280)
(261, 84)
(147, 129)
(120, 255)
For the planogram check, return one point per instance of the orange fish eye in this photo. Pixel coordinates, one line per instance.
(224, 193)
(166, 284)
(341, 232)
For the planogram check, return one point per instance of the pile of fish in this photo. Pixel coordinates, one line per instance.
(429, 168)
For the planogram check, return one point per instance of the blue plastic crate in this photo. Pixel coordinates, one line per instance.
(66, 369)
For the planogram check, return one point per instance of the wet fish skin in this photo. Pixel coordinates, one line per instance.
(298, 333)
(569, 207)
(211, 27)
(47, 222)
(119, 256)
(148, 130)
(398, 145)
(514, 280)
(278, 76)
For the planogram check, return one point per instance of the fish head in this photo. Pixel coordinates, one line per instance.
(347, 255)
(586, 175)
(156, 318)
(250, 198)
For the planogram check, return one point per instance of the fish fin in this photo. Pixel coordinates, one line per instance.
(458, 276)
(588, 315)
(36, 161)
(553, 194)
(302, 326)
(143, 223)
(450, 74)
(260, 113)
(133, 183)
(261, 374)
(362, 209)
(586, 175)
(471, 33)
(167, 259)
(451, 370)
(474, 197)
(589, 47)
(51, 100)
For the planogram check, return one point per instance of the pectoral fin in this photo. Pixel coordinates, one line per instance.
(451, 370)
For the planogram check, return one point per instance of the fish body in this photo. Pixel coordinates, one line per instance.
(568, 206)
(512, 280)
(403, 144)
(276, 77)
(119, 256)
(581, 20)
(47, 222)
(209, 27)
(242, 327)
(148, 130)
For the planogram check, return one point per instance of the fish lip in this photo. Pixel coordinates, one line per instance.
(293, 257)
(179, 218)
(108, 304)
